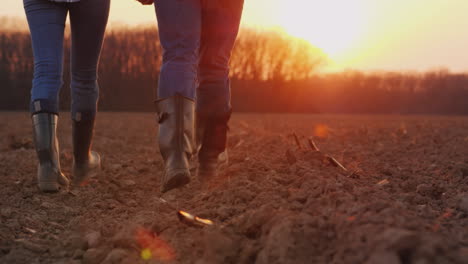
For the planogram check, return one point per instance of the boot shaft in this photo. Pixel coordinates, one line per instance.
(49, 174)
(211, 134)
(45, 138)
(82, 131)
(176, 139)
(176, 126)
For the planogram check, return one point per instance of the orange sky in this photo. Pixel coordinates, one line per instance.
(356, 34)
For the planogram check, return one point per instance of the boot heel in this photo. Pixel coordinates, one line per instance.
(175, 179)
(47, 179)
(83, 172)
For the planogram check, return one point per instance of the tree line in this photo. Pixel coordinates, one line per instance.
(270, 71)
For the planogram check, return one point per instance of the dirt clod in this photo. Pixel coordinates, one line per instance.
(34, 246)
(93, 239)
(94, 256)
(116, 256)
(463, 204)
(78, 254)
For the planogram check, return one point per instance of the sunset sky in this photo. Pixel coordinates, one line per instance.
(356, 34)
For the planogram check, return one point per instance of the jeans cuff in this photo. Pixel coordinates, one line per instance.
(83, 115)
(43, 106)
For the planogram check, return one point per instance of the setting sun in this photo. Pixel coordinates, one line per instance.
(354, 34)
(332, 25)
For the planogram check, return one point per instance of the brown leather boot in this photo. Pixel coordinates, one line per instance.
(176, 137)
(211, 144)
(49, 174)
(86, 163)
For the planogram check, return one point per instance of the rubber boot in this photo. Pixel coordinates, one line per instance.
(49, 174)
(176, 139)
(86, 163)
(211, 144)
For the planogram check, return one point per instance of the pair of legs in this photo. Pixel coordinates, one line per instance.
(47, 23)
(197, 37)
(88, 19)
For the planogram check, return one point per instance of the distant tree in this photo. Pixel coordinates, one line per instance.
(270, 72)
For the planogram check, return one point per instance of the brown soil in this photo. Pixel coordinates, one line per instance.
(404, 198)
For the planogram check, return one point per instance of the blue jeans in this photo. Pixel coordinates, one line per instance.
(88, 19)
(197, 37)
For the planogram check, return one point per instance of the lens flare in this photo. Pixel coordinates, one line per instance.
(146, 254)
(153, 247)
(321, 131)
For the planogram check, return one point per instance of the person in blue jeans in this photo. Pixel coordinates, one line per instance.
(46, 19)
(197, 37)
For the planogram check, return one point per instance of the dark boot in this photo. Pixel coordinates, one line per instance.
(211, 144)
(86, 163)
(176, 136)
(49, 174)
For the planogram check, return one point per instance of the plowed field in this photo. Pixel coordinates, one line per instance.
(403, 197)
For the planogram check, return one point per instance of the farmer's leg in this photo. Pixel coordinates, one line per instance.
(88, 22)
(46, 23)
(179, 32)
(220, 25)
(179, 24)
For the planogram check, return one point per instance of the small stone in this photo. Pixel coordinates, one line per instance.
(93, 256)
(34, 247)
(93, 239)
(463, 204)
(115, 256)
(128, 183)
(77, 242)
(125, 238)
(115, 167)
(69, 210)
(131, 170)
(132, 203)
(419, 199)
(219, 247)
(463, 168)
(400, 239)
(6, 212)
(384, 257)
(61, 253)
(78, 254)
(424, 189)
(47, 205)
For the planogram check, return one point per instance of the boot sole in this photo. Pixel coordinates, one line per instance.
(177, 179)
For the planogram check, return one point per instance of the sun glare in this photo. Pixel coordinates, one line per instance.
(332, 25)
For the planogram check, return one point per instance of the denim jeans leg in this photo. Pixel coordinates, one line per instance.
(46, 23)
(88, 20)
(179, 24)
(220, 26)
